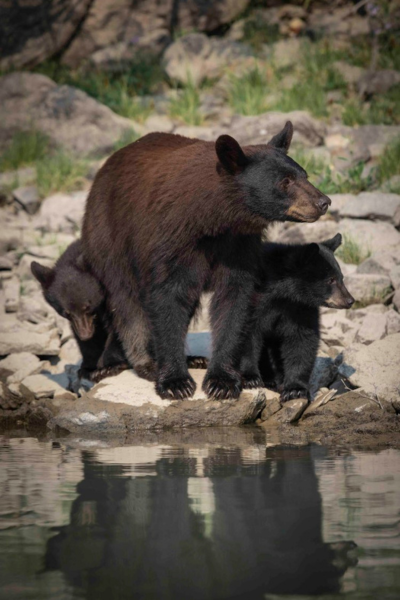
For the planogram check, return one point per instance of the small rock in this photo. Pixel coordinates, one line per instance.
(11, 294)
(350, 73)
(286, 52)
(371, 205)
(20, 360)
(292, 410)
(375, 368)
(42, 386)
(373, 328)
(366, 288)
(378, 82)
(26, 337)
(62, 212)
(322, 397)
(5, 264)
(378, 263)
(272, 406)
(28, 198)
(70, 352)
(195, 57)
(392, 322)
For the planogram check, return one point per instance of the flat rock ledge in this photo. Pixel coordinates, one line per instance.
(126, 403)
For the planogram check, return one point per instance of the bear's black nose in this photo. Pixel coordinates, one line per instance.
(350, 301)
(323, 204)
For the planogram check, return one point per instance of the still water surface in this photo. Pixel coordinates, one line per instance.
(200, 515)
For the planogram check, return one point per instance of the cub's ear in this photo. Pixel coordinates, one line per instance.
(44, 275)
(334, 243)
(283, 139)
(230, 154)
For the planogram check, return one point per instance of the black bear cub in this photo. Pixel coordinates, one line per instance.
(296, 281)
(76, 295)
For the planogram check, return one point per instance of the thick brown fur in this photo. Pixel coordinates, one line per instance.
(166, 220)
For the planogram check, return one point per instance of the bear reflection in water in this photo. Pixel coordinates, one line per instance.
(241, 530)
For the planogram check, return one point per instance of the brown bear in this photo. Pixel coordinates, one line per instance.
(169, 217)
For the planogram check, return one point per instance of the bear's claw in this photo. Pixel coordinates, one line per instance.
(176, 388)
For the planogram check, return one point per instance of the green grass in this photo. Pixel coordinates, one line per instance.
(115, 89)
(389, 162)
(351, 252)
(26, 147)
(127, 138)
(59, 172)
(382, 109)
(186, 106)
(377, 297)
(257, 32)
(247, 93)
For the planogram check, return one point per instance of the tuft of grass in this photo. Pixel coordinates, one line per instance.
(377, 297)
(186, 106)
(247, 94)
(59, 172)
(257, 32)
(127, 138)
(380, 110)
(26, 147)
(389, 162)
(351, 252)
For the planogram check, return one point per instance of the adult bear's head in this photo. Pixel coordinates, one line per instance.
(274, 186)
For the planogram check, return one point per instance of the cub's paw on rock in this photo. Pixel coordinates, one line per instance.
(176, 388)
(222, 386)
(291, 393)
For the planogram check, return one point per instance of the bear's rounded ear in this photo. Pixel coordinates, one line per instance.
(230, 154)
(334, 243)
(44, 275)
(283, 139)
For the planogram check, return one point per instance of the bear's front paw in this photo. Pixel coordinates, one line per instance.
(222, 386)
(176, 388)
(251, 381)
(293, 393)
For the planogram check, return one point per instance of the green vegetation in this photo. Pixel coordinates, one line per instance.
(115, 89)
(25, 148)
(389, 163)
(127, 138)
(257, 32)
(351, 251)
(59, 172)
(247, 93)
(186, 106)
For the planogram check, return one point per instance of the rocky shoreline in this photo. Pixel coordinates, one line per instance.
(356, 382)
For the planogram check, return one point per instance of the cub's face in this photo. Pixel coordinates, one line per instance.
(321, 277)
(274, 186)
(75, 295)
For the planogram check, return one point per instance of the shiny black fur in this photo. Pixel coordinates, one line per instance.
(295, 282)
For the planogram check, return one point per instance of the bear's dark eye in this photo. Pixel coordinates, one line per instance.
(331, 281)
(67, 313)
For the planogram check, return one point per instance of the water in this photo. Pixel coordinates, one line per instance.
(197, 515)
